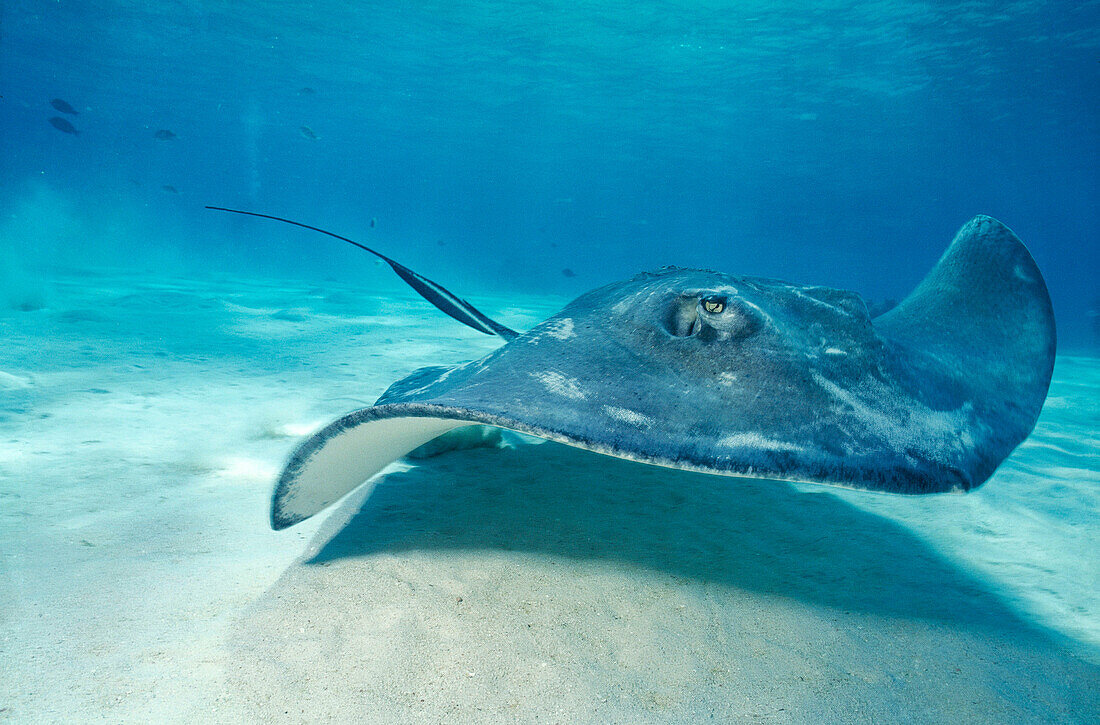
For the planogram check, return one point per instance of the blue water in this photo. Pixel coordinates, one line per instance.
(159, 361)
(842, 145)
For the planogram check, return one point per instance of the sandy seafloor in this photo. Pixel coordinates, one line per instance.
(142, 421)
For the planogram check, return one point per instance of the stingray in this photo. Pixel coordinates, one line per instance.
(737, 376)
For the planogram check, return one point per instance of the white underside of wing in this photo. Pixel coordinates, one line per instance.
(350, 457)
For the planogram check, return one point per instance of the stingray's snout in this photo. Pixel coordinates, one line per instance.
(709, 316)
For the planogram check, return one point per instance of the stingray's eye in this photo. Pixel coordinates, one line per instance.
(713, 305)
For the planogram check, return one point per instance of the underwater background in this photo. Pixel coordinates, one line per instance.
(159, 361)
(500, 143)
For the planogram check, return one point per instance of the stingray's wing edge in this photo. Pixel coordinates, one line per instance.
(985, 308)
(346, 453)
(353, 449)
(983, 315)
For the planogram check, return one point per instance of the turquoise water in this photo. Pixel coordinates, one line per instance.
(840, 145)
(160, 361)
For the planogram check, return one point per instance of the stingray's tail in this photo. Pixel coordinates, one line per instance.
(985, 310)
(444, 300)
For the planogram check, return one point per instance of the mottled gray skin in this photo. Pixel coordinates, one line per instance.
(786, 381)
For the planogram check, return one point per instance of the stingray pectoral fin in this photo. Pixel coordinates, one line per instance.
(985, 309)
(345, 454)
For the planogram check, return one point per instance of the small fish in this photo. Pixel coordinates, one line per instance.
(307, 132)
(373, 221)
(440, 242)
(170, 189)
(64, 107)
(64, 126)
(165, 135)
(306, 91)
(568, 272)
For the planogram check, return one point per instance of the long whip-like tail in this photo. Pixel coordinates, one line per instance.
(443, 299)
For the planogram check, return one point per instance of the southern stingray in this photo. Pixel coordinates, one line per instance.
(738, 376)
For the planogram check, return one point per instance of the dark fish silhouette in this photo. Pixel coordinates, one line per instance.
(64, 107)
(306, 91)
(165, 135)
(307, 132)
(64, 126)
(170, 189)
(568, 272)
(373, 221)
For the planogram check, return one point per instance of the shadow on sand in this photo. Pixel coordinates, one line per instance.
(762, 536)
(547, 583)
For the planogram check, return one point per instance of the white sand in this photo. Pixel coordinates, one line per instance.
(141, 424)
